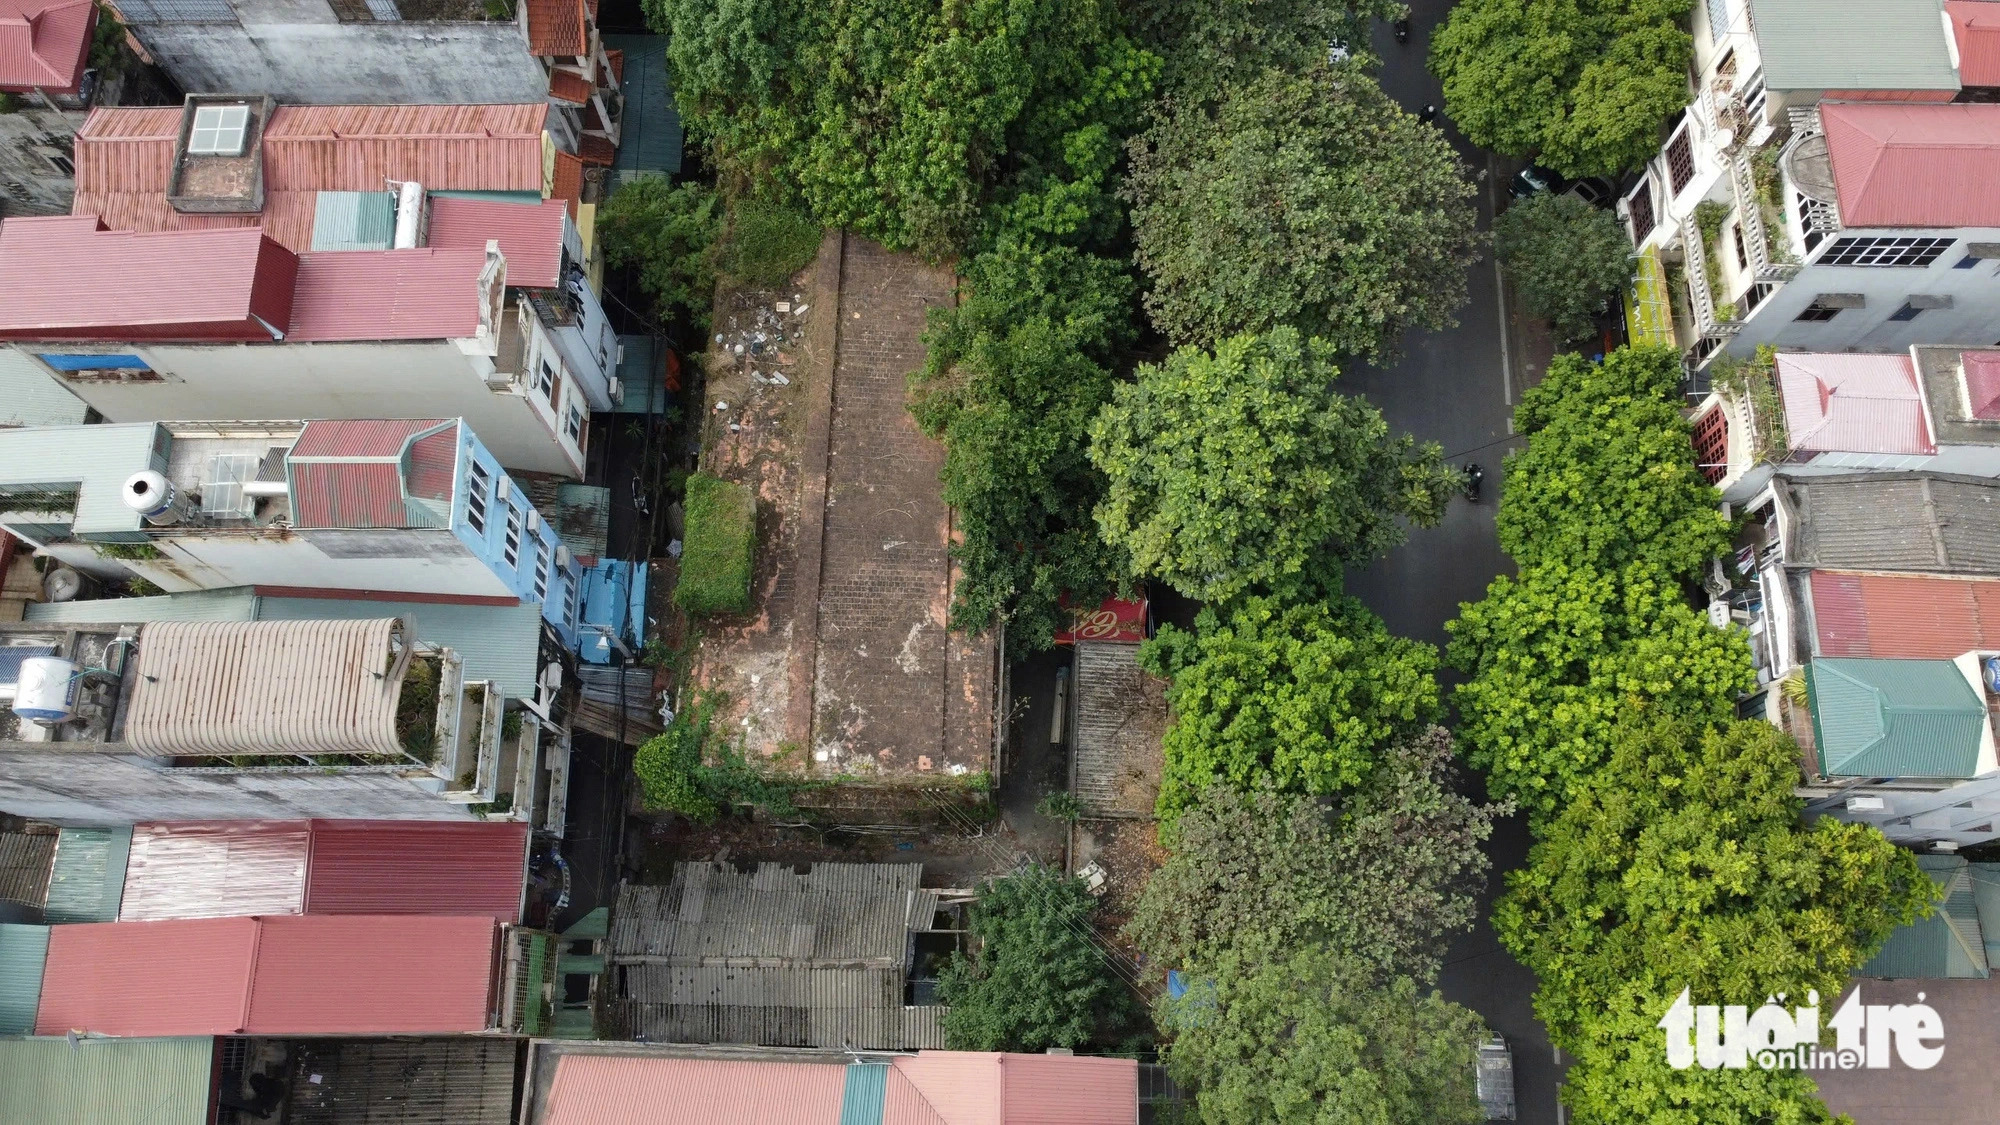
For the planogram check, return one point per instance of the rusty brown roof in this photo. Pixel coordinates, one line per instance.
(556, 27)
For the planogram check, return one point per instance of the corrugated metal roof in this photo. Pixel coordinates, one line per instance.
(30, 396)
(167, 285)
(866, 1087)
(1879, 45)
(417, 867)
(1949, 943)
(354, 220)
(215, 869)
(496, 643)
(106, 1081)
(1976, 26)
(237, 603)
(1894, 521)
(531, 236)
(966, 1087)
(1903, 617)
(98, 458)
(1986, 905)
(45, 45)
(24, 868)
(360, 474)
(557, 28)
(420, 294)
(1982, 383)
(1121, 716)
(300, 687)
(381, 439)
(87, 879)
(583, 520)
(650, 137)
(608, 1090)
(309, 975)
(1895, 718)
(1853, 403)
(1914, 165)
(461, 1080)
(23, 951)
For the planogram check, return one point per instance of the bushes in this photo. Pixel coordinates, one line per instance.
(765, 244)
(719, 549)
(667, 232)
(1567, 257)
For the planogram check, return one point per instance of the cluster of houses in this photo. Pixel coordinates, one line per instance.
(308, 590)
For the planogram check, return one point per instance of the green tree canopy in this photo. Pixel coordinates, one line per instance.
(1684, 864)
(1582, 85)
(1567, 258)
(667, 232)
(1608, 476)
(1243, 469)
(1204, 44)
(1382, 873)
(1307, 1037)
(1035, 979)
(1301, 695)
(1307, 199)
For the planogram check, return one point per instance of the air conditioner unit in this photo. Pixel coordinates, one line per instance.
(617, 389)
(1866, 804)
(504, 489)
(222, 493)
(562, 557)
(534, 519)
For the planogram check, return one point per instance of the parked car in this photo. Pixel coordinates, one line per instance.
(1535, 179)
(1495, 1077)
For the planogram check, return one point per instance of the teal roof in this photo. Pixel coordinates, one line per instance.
(640, 373)
(1895, 718)
(861, 1097)
(97, 458)
(1986, 900)
(354, 220)
(650, 135)
(499, 643)
(23, 951)
(529, 197)
(106, 1081)
(1877, 45)
(87, 880)
(237, 603)
(30, 396)
(1948, 944)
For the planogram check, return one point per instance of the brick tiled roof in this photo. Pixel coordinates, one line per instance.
(568, 184)
(566, 85)
(556, 28)
(595, 148)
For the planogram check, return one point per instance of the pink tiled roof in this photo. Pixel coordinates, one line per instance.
(1898, 165)
(530, 236)
(124, 159)
(1976, 26)
(989, 1088)
(1903, 617)
(1839, 403)
(44, 45)
(421, 294)
(1982, 383)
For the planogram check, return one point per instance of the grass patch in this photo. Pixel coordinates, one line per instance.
(719, 548)
(764, 244)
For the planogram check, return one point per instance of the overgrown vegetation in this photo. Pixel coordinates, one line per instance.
(416, 710)
(668, 233)
(1753, 383)
(1709, 217)
(699, 770)
(763, 244)
(719, 548)
(1567, 258)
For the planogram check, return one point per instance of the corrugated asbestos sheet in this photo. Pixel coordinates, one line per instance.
(24, 868)
(1896, 522)
(23, 952)
(771, 957)
(87, 878)
(30, 396)
(215, 869)
(100, 457)
(1121, 715)
(106, 1081)
(456, 1081)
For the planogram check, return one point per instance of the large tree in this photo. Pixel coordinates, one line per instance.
(1567, 258)
(1582, 85)
(1300, 695)
(1207, 43)
(1382, 873)
(1684, 863)
(1036, 977)
(1305, 1036)
(1300, 198)
(1243, 469)
(666, 232)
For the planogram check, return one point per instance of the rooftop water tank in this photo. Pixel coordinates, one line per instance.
(154, 497)
(45, 692)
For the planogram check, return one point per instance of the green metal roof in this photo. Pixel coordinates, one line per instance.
(650, 136)
(99, 458)
(1986, 900)
(866, 1088)
(354, 220)
(1949, 943)
(88, 878)
(236, 603)
(1877, 45)
(30, 396)
(1894, 718)
(639, 372)
(583, 518)
(500, 643)
(23, 952)
(45, 1081)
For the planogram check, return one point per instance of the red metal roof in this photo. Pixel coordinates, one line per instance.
(556, 27)
(421, 294)
(44, 45)
(215, 869)
(430, 469)
(385, 438)
(1903, 617)
(1976, 26)
(986, 1088)
(354, 474)
(328, 975)
(1897, 165)
(1849, 403)
(1982, 383)
(531, 236)
(67, 278)
(418, 867)
(124, 158)
(567, 85)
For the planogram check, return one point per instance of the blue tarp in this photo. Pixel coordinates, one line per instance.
(614, 601)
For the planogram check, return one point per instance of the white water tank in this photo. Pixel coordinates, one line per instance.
(46, 689)
(409, 215)
(155, 498)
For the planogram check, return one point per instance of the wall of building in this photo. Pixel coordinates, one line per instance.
(31, 143)
(1973, 319)
(489, 544)
(411, 561)
(403, 379)
(101, 788)
(274, 51)
(590, 348)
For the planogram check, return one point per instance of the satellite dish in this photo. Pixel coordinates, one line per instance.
(1811, 169)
